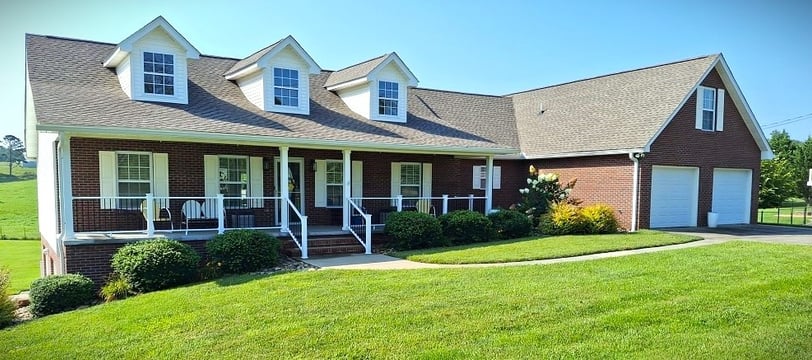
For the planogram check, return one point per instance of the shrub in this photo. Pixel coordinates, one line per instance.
(465, 227)
(57, 293)
(563, 219)
(600, 219)
(543, 190)
(6, 306)
(116, 288)
(156, 264)
(511, 224)
(413, 230)
(241, 251)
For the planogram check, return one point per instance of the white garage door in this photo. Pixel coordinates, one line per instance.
(674, 196)
(731, 195)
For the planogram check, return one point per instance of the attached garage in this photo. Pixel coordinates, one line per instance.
(674, 196)
(732, 195)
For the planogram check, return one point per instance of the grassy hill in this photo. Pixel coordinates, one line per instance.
(18, 203)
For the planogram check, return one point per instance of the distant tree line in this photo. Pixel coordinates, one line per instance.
(785, 176)
(12, 151)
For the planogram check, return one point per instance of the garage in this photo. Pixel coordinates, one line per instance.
(732, 195)
(674, 196)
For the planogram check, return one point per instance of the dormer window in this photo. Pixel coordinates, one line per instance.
(285, 87)
(159, 71)
(388, 98)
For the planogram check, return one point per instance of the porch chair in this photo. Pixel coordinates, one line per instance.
(159, 213)
(191, 210)
(425, 206)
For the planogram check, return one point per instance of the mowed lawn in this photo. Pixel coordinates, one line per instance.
(21, 258)
(734, 300)
(18, 203)
(543, 248)
(794, 213)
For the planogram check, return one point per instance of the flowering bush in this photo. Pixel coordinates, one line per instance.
(542, 191)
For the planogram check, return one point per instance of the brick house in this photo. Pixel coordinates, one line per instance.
(150, 137)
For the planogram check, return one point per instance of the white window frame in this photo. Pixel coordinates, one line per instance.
(328, 184)
(119, 181)
(392, 101)
(230, 203)
(481, 177)
(161, 74)
(705, 108)
(282, 87)
(419, 184)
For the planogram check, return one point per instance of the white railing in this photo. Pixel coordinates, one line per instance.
(380, 207)
(297, 231)
(362, 231)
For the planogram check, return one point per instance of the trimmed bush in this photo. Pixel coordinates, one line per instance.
(58, 293)
(116, 288)
(6, 306)
(466, 227)
(563, 219)
(413, 230)
(241, 251)
(511, 224)
(156, 264)
(600, 219)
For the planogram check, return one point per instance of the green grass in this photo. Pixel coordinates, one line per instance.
(792, 213)
(543, 248)
(18, 203)
(734, 300)
(21, 258)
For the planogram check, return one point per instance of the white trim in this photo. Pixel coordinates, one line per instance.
(368, 77)
(346, 174)
(66, 194)
(262, 140)
(348, 84)
(580, 154)
(261, 63)
(635, 192)
(125, 46)
(326, 184)
(488, 184)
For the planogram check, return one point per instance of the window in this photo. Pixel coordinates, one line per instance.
(234, 180)
(335, 183)
(285, 87)
(159, 70)
(388, 98)
(480, 177)
(134, 176)
(410, 180)
(708, 108)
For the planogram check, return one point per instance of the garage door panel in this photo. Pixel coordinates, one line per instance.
(674, 196)
(732, 195)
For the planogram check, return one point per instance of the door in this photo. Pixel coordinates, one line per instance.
(294, 182)
(732, 195)
(674, 196)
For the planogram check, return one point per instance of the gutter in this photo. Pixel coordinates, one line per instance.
(635, 158)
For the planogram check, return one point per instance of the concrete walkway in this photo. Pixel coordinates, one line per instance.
(759, 233)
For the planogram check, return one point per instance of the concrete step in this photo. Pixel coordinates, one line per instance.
(322, 242)
(326, 250)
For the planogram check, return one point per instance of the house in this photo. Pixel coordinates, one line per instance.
(148, 136)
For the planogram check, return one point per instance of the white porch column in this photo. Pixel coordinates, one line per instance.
(347, 162)
(66, 190)
(282, 182)
(488, 184)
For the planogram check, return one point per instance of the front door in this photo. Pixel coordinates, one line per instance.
(295, 184)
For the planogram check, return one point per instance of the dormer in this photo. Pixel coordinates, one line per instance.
(151, 63)
(277, 78)
(375, 89)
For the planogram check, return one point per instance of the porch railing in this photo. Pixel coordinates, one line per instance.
(379, 208)
(361, 226)
(297, 229)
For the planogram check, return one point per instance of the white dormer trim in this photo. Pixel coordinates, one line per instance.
(126, 46)
(262, 63)
(372, 74)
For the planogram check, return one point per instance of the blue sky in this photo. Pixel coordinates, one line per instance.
(491, 47)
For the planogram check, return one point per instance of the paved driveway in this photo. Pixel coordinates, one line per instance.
(762, 233)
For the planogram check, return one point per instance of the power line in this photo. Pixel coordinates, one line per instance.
(787, 121)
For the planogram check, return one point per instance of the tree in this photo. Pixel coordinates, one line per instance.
(801, 163)
(777, 182)
(782, 144)
(14, 150)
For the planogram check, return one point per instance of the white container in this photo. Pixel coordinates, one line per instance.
(713, 219)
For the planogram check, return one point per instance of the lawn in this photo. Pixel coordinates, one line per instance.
(21, 258)
(734, 300)
(792, 213)
(543, 248)
(18, 203)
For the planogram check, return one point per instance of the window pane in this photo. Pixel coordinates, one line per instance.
(147, 56)
(410, 174)
(335, 195)
(410, 191)
(707, 120)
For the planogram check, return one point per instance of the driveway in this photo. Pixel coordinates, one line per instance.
(761, 233)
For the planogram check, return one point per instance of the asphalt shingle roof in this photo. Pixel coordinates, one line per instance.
(253, 58)
(612, 112)
(353, 72)
(71, 88)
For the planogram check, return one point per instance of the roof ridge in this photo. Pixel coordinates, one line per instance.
(71, 39)
(613, 74)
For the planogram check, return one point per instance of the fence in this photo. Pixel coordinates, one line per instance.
(792, 215)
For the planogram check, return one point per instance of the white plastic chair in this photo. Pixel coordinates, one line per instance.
(159, 213)
(425, 206)
(191, 210)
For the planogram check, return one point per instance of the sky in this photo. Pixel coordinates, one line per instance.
(488, 47)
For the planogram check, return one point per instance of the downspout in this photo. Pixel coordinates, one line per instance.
(635, 157)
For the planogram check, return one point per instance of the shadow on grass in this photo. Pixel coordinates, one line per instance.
(231, 280)
(5, 178)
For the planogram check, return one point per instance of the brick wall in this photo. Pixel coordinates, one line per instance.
(680, 144)
(93, 260)
(601, 179)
